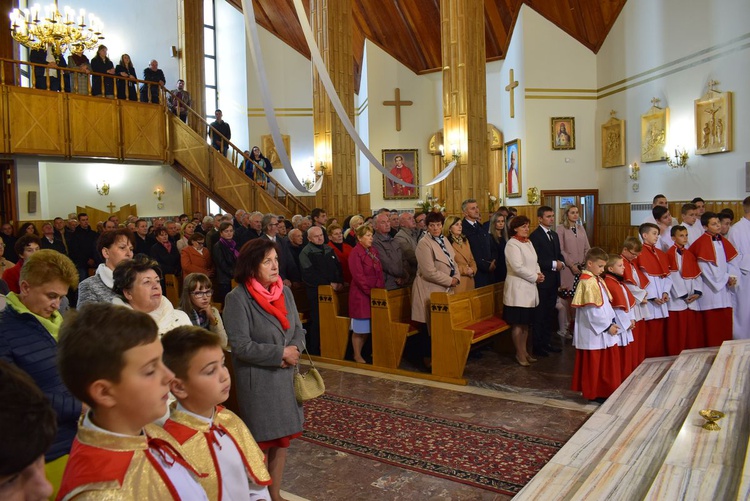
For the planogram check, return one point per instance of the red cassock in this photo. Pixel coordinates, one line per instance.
(717, 323)
(605, 363)
(654, 263)
(685, 328)
(622, 299)
(639, 331)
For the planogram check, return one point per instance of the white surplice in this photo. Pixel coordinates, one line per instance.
(739, 236)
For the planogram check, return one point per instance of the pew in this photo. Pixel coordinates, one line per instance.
(391, 325)
(458, 321)
(231, 402)
(333, 310)
(300, 299)
(172, 287)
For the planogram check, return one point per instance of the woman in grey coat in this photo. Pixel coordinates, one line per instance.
(266, 337)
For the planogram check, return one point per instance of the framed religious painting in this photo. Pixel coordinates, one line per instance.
(654, 133)
(563, 133)
(404, 164)
(513, 169)
(713, 122)
(613, 143)
(269, 149)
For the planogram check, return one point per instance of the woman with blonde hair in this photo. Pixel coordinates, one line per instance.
(467, 266)
(350, 235)
(574, 244)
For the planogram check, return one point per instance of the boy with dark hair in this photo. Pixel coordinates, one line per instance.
(636, 282)
(691, 221)
(725, 219)
(654, 264)
(684, 328)
(28, 427)
(212, 437)
(716, 259)
(597, 372)
(110, 358)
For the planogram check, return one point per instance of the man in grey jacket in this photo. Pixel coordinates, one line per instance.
(406, 238)
(390, 254)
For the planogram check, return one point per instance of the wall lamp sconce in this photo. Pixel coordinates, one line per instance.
(679, 159)
(159, 193)
(635, 169)
(455, 154)
(104, 190)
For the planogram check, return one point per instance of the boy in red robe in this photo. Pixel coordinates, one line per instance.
(597, 372)
(716, 260)
(684, 329)
(213, 438)
(654, 264)
(110, 358)
(636, 283)
(624, 306)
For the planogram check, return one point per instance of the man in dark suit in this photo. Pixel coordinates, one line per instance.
(287, 266)
(479, 241)
(549, 256)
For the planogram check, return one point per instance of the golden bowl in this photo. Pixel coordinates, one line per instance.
(711, 416)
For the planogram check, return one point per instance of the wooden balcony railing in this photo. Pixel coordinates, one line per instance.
(42, 115)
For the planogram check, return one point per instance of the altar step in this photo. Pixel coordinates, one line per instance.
(646, 442)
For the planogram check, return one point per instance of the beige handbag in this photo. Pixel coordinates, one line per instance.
(309, 385)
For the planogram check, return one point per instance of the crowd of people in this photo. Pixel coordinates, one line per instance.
(95, 352)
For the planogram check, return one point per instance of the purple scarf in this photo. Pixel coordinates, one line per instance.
(231, 244)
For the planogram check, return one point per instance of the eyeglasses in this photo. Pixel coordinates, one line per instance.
(205, 293)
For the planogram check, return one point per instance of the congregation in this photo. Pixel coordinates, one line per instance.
(143, 374)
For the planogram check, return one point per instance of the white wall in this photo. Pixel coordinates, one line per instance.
(62, 186)
(418, 122)
(290, 80)
(670, 49)
(231, 76)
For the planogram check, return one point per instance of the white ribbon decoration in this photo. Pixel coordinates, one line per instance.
(253, 40)
(341, 112)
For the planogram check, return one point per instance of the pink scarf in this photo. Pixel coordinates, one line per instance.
(271, 299)
(168, 245)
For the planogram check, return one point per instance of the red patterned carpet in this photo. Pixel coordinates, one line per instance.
(490, 458)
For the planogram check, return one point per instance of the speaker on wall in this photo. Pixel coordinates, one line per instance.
(31, 202)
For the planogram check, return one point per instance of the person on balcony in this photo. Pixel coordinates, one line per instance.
(179, 100)
(77, 60)
(222, 128)
(257, 173)
(101, 64)
(150, 92)
(125, 69)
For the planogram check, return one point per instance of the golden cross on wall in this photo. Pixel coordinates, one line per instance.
(398, 103)
(612, 113)
(655, 102)
(711, 85)
(512, 85)
(111, 208)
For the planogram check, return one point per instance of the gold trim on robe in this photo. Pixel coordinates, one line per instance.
(198, 449)
(121, 464)
(589, 291)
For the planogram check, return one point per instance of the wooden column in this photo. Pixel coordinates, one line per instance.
(7, 45)
(464, 101)
(192, 69)
(331, 21)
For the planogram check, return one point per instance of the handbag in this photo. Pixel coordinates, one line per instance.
(308, 385)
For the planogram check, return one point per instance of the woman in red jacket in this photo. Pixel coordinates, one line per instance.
(367, 274)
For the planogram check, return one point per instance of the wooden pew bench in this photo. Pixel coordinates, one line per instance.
(459, 321)
(391, 325)
(333, 309)
(300, 299)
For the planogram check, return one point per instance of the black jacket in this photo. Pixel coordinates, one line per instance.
(479, 241)
(546, 253)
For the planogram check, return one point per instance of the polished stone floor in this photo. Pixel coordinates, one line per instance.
(534, 400)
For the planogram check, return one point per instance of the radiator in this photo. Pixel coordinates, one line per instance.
(639, 213)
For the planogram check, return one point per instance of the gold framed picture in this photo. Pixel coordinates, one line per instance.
(563, 133)
(613, 143)
(513, 169)
(713, 122)
(654, 134)
(404, 164)
(269, 149)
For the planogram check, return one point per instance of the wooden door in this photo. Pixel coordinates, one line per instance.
(585, 200)
(8, 206)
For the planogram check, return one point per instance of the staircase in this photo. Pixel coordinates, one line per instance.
(221, 179)
(646, 442)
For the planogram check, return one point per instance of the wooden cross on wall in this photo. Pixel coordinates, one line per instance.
(111, 208)
(398, 103)
(512, 85)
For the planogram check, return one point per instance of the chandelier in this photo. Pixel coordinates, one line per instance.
(60, 31)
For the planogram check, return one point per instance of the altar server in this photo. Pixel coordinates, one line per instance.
(739, 236)
(654, 264)
(684, 328)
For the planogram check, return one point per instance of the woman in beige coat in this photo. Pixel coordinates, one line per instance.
(520, 295)
(467, 266)
(436, 268)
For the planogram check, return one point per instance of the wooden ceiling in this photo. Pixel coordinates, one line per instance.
(409, 30)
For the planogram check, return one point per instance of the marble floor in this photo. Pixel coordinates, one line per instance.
(534, 400)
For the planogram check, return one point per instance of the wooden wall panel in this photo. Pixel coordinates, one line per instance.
(144, 132)
(38, 121)
(614, 226)
(94, 126)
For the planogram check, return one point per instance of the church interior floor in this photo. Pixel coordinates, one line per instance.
(535, 400)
